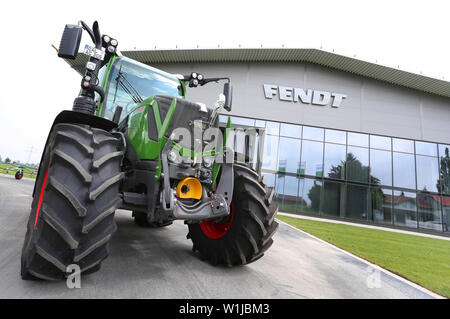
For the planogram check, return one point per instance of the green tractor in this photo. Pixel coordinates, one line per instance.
(132, 141)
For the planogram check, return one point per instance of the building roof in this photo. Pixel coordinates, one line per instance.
(328, 59)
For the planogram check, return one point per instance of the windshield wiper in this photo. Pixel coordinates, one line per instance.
(127, 87)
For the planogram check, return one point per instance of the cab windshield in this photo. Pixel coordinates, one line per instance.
(131, 82)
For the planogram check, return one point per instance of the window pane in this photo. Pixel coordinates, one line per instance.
(273, 128)
(404, 171)
(333, 199)
(312, 158)
(404, 209)
(289, 155)
(309, 195)
(425, 148)
(444, 171)
(380, 167)
(334, 136)
(287, 192)
(381, 205)
(242, 121)
(270, 152)
(334, 161)
(223, 118)
(427, 173)
(446, 211)
(313, 133)
(154, 82)
(429, 208)
(358, 139)
(269, 179)
(260, 123)
(291, 130)
(357, 203)
(402, 145)
(357, 164)
(443, 149)
(278, 196)
(381, 142)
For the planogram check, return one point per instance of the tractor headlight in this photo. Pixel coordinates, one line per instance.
(114, 42)
(200, 77)
(194, 75)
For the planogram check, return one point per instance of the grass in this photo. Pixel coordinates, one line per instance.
(425, 261)
(13, 170)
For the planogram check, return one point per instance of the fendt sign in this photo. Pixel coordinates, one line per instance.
(309, 96)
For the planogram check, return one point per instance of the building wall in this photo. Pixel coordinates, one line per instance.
(371, 106)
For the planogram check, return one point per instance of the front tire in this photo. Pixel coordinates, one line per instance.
(247, 232)
(18, 175)
(72, 213)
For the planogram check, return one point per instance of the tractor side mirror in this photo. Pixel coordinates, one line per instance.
(70, 42)
(228, 92)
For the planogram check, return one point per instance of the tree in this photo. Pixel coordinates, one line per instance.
(7, 160)
(357, 203)
(314, 196)
(443, 183)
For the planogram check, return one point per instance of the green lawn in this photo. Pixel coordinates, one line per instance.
(13, 171)
(425, 261)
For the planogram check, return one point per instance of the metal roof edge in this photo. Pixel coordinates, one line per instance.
(321, 57)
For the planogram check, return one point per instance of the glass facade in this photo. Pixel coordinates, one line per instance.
(362, 177)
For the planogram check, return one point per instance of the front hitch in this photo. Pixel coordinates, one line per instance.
(213, 205)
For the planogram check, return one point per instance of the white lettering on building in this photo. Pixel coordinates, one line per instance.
(309, 96)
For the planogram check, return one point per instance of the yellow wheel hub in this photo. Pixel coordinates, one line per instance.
(189, 187)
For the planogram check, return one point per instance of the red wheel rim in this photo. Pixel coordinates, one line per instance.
(215, 230)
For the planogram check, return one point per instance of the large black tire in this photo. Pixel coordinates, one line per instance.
(140, 218)
(250, 226)
(72, 213)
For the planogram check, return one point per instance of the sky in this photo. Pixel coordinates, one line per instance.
(35, 85)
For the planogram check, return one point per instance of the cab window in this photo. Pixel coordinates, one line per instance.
(131, 82)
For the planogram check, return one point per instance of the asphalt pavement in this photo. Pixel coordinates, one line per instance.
(159, 263)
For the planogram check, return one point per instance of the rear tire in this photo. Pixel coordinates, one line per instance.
(72, 213)
(247, 232)
(140, 218)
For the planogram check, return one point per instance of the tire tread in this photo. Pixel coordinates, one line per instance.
(72, 228)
